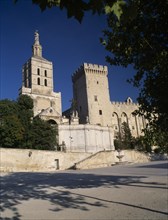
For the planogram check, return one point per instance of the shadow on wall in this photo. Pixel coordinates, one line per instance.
(55, 188)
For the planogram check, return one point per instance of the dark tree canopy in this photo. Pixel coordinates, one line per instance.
(25, 102)
(141, 39)
(8, 107)
(78, 8)
(11, 131)
(124, 138)
(43, 135)
(18, 128)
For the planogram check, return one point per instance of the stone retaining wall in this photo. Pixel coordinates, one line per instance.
(13, 160)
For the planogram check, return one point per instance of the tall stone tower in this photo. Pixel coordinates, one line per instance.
(37, 82)
(91, 94)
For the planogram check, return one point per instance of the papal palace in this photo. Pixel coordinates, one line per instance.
(93, 120)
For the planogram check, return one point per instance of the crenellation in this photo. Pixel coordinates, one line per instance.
(77, 74)
(124, 103)
(94, 67)
(89, 68)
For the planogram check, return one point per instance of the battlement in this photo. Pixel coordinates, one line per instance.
(89, 68)
(128, 101)
(124, 103)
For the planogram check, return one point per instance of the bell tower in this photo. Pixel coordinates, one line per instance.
(37, 80)
(37, 72)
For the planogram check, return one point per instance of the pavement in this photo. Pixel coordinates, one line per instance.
(136, 191)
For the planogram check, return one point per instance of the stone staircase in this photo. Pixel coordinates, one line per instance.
(99, 159)
(109, 158)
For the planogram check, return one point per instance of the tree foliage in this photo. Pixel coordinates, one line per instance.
(43, 135)
(25, 114)
(77, 8)
(18, 128)
(11, 131)
(156, 138)
(125, 138)
(141, 39)
(146, 143)
(25, 102)
(8, 107)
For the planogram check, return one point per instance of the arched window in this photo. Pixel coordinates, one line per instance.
(52, 122)
(45, 73)
(38, 81)
(124, 118)
(115, 121)
(45, 82)
(38, 71)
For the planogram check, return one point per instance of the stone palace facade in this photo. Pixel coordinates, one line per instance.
(93, 121)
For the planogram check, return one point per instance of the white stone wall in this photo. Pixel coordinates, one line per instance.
(42, 102)
(98, 97)
(13, 160)
(21, 160)
(86, 138)
(43, 65)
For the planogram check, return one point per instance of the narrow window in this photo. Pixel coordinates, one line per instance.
(38, 71)
(80, 108)
(95, 98)
(45, 82)
(97, 82)
(100, 112)
(45, 73)
(25, 79)
(38, 81)
(29, 82)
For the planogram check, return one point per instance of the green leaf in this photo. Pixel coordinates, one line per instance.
(116, 8)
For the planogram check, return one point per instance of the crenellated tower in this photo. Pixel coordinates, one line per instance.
(91, 93)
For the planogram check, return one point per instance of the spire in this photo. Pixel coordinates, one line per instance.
(37, 48)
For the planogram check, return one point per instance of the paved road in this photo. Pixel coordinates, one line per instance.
(136, 191)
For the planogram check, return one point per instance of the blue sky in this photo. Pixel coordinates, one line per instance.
(65, 42)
